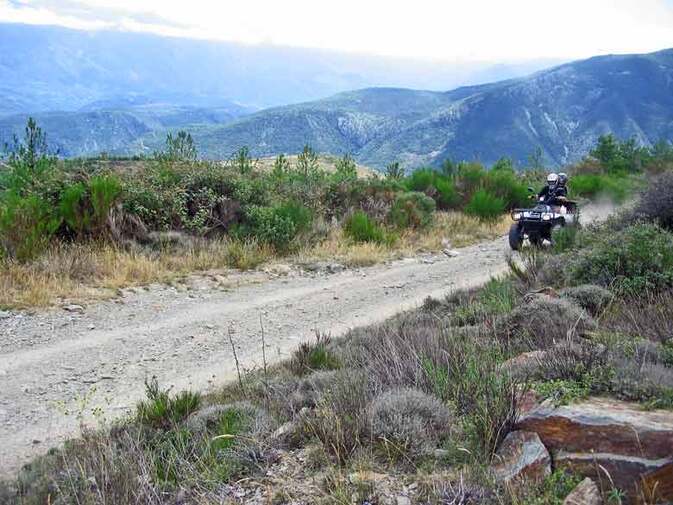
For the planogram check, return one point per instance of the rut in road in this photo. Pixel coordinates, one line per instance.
(57, 361)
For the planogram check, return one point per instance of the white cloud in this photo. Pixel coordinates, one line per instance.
(449, 30)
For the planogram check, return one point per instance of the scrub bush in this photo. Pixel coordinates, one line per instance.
(359, 227)
(412, 210)
(485, 206)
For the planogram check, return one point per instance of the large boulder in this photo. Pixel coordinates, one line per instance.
(603, 425)
(598, 437)
(521, 456)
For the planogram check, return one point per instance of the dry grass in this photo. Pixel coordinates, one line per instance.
(336, 247)
(81, 272)
(97, 270)
(459, 229)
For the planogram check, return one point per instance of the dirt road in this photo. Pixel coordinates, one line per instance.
(58, 366)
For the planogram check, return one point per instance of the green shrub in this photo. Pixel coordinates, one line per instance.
(593, 185)
(359, 227)
(278, 225)
(636, 259)
(447, 196)
(553, 490)
(27, 224)
(394, 171)
(498, 296)
(484, 396)
(299, 215)
(505, 184)
(75, 210)
(270, 226)
(562, 391)
(485, 206)
(420, 180)
(105, 190)
(434, 184)
(85, 209)
(345, 169)
(470, 177)
(412, 210)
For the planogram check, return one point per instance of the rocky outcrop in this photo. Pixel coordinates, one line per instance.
(624, 472)
(521, 456)
(603, 426)
(614, 442)
(657, 485)
(586, 493)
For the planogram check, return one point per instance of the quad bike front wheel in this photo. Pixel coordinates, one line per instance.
(515, 237)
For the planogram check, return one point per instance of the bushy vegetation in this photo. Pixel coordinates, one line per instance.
(656, 202)
(592, 185)
(485, 206)
(429, 393)
(594, 299)
(408, 421)
(44, 200)
(412, 210)
(361, 228)
(635, 259)
(612, 167)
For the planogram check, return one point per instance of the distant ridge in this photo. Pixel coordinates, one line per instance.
(561, 110)
(121, 93)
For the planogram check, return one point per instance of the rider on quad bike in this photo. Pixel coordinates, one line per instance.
(553, 210)
(554, 189)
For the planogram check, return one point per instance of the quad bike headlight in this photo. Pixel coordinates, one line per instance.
(547, 216)
(516, 216)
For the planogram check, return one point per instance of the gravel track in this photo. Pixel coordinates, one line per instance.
(58, 361)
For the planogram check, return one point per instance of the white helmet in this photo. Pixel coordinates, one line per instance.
(552, 179)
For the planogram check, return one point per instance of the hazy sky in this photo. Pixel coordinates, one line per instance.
(482, 30)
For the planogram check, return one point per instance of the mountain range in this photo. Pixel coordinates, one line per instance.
(121, 93)
(561, 111)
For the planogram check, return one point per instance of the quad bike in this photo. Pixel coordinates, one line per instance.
(536, 224)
